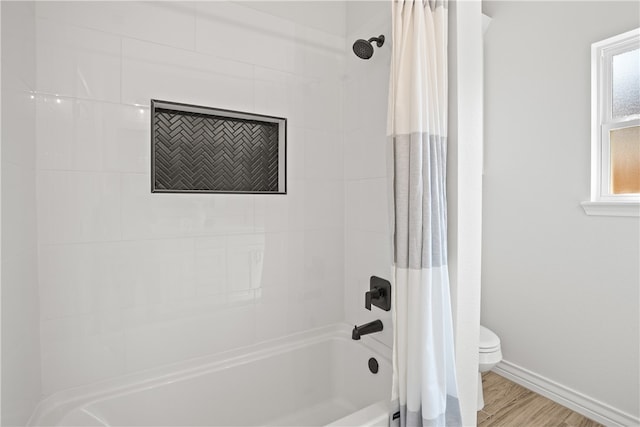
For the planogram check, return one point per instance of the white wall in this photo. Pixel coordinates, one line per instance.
(367, 239)
(20, 326)
(129, 279)
(464, 198)
(560, 288)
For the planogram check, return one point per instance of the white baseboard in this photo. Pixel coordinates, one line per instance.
(576, 401)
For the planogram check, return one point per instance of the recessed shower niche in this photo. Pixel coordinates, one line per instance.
(197, 149)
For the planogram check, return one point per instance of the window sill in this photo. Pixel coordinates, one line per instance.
(612, 208)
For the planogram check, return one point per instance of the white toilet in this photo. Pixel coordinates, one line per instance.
(490, 355)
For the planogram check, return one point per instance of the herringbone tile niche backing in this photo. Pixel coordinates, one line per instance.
(207, 150)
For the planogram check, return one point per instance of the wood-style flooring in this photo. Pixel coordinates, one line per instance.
(511, 405)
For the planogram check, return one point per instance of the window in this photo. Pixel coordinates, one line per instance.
(615, 133)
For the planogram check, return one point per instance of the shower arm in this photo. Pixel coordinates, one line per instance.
(379, 40)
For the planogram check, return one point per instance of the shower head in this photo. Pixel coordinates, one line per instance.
(363, 49)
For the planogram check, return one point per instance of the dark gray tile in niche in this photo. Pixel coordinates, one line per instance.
(206, 150)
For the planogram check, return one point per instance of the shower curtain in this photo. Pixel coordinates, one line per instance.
(424, 380)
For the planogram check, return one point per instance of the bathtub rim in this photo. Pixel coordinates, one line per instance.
(373, 415)
(52, 408)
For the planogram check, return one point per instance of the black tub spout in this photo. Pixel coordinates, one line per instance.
(367, 328)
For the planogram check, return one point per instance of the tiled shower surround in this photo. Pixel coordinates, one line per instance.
(130, 280)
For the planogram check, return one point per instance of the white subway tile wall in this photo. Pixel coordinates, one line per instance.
(130, 280)
(367, 241)
(20, 317)
(77, 62)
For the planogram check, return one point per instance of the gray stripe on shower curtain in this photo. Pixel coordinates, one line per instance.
(450, 418)
(420, 203)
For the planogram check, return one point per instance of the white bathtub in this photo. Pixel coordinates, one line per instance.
(316, 378)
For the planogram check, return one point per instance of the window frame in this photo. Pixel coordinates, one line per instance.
(602, 201)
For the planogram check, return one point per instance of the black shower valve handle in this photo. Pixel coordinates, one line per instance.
(369, 296)
(379, 294)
